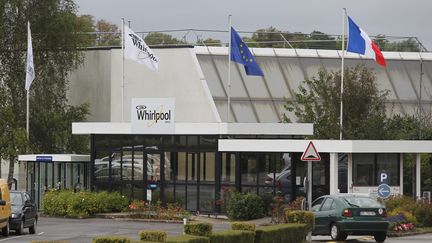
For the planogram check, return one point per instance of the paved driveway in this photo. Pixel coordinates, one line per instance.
(83, 230)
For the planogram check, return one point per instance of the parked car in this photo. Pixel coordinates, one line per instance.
(24, 212)
(5, 207)
(348, 214)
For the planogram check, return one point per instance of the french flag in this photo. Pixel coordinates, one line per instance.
(359, 42)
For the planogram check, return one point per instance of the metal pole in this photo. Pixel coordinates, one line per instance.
(28, 116)
(342, 73)
(123, 69)
(229, 70)
(309, 193)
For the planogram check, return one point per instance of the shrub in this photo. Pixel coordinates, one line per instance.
(111, 239)
(302, 217)
(281, 233)
(198, 229)
(82, 203)
(232, 236)
(243, 226)
(188, 239)
(153, 235)
(423, 213)
(245, 206)
(400, 202)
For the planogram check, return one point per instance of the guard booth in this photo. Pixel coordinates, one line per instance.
(54, 171)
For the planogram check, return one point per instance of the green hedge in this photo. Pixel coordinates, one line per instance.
(153, 235)
(233, 236)
(301, 217)
(243, 226)
(82, 203)
(198, 229)
(111, 239)
(281, 233)
(187, 239)
(245, 206)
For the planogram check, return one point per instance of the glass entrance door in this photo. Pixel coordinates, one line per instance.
(154, 176)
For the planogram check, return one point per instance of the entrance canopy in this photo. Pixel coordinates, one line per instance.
(54, 158)
(326, 146)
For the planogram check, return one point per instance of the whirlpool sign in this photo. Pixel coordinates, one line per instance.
(153, 115)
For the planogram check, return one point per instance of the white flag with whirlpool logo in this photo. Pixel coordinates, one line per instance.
(136, 49)
(30, 74)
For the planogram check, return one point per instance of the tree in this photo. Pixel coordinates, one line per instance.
(56, 40)
(409, 45)
(157, 38)
(109, 36)
(318, 102)
(212, 42)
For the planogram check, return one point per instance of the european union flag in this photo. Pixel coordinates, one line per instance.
(240, 53)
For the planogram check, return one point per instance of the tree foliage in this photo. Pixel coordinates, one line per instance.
(56, 41)
(364, 110)
(409, 45)
(157, 38)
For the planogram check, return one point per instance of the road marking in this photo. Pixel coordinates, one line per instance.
(11, 238)
(41, 233)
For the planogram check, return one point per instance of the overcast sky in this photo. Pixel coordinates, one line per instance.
(390, 17)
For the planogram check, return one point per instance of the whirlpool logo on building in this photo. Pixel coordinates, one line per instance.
(153, 115)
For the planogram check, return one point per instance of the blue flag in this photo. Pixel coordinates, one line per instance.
(240, 53)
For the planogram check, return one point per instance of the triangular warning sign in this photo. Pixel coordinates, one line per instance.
(311, 154)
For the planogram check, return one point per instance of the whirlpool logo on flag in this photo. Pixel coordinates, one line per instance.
(153, 115)
(137, 50)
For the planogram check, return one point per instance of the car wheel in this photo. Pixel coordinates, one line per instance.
(380, 237)
(20, 228)
(32, 229)
(336, 234)
(5, 230)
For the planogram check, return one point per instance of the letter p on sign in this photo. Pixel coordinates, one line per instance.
(383, 177)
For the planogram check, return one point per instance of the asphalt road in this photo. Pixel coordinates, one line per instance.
(83, 230)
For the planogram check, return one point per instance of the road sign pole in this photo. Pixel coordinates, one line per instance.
(309, 194)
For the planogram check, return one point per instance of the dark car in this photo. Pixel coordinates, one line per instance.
(24, 212)
(347, 214)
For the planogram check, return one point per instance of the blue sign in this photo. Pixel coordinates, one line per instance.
(153, 186)
(43, 158)
(383, 191)
(383, 177)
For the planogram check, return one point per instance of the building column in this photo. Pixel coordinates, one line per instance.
(418, 176)
(350, 169)
(401, 161)
(334, 185)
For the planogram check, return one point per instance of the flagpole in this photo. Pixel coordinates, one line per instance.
(123, 69)
(28, 117)
(229, 70)
(342, 72)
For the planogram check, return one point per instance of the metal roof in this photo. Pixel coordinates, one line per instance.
(262, 99)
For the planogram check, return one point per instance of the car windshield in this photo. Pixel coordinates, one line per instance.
(16, 199)
(364, 202)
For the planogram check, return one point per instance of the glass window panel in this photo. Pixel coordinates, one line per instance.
(413, 68)
(254, 84)
(50, 176)
(249, 189)
(266, 112)
(427, 82)
(237, 89)
(274, 78)
(191, 197)
(311, 66)
(207, 167)
(293, 71)
(410, 109)
(228, 168)
(181, 167)
(211, 75)
(222, 110)
(207, 198)
(343, 173)
(390, 164)
(400, 80)
(363, 169)
(249, 169)
(168, 167)
(243, 112)
(153, 167)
